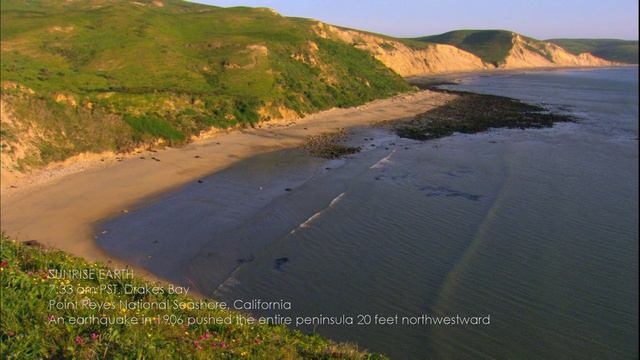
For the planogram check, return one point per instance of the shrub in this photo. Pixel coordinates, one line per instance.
(155, 127)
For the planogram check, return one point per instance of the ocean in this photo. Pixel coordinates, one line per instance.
(535, 230)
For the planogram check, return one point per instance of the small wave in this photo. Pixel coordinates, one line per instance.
(308, 222)
(383, 161)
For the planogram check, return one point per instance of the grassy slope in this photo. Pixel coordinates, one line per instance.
(492, 46)
(625, 51)
(133, 72)
(25, 332)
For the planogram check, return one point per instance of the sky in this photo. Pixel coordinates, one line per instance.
(542, 19)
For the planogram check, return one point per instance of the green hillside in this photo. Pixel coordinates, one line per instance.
(112, 75)
(625, 51)
(492, 46)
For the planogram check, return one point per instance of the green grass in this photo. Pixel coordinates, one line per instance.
(624, 51)
(492, 46)
(221, 66)
(27, 333)
(153, 126)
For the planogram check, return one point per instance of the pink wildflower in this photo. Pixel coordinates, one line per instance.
(79, 340)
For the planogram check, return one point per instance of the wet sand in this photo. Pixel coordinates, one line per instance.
(64, 212)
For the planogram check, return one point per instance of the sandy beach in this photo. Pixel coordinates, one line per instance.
(61, 211)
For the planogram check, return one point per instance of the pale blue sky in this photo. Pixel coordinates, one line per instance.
(541, 19)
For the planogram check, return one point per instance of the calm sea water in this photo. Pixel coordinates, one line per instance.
(536, 228)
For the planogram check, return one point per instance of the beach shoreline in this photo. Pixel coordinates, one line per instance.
(62, 211)
(509, 71)
(31, 203)
(17, 182)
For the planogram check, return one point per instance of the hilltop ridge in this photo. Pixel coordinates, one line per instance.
(461, 51)
(624, 51)
(95, 76)
(509, 50)
(112, 76)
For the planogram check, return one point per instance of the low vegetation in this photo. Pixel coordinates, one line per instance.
(29, 329)
(79, 76)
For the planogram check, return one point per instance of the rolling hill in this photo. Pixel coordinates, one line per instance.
(100, 75)
(492, 46)
(624, 51)
(510, 50)
(96, 76)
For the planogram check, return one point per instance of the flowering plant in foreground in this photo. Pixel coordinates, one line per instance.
(30, 329)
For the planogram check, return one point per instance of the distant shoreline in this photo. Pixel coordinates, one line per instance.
(502, 71)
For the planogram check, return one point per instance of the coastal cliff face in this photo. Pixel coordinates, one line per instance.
(403, 59)
(428, 58)
(527, 53)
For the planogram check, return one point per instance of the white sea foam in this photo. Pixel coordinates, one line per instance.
(313, 217)
(382, 162)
